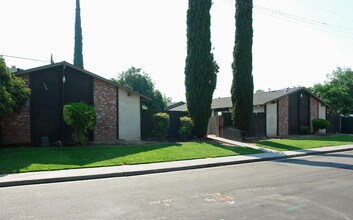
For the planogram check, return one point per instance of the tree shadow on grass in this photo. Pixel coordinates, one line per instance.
(329, 138)
(341, 138)
(277, 146)
(301, 141)
(236, 149)
(14, 160)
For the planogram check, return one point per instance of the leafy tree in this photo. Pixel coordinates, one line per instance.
(157, 103)
(337, 91)
(167, 99)
(82, 118)
(242, 86)
(13, 91)
(78, 57)
(200, 68)
(137, 80)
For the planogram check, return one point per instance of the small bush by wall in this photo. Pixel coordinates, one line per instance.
(147, 124)
(319, 123)
(81, 117)
(304, 130)
(161, 125)
(186, 126)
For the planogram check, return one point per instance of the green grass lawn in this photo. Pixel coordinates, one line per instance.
(26, 159)
(306, 142)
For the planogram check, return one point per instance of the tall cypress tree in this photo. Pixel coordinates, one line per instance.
(51, 59)
(243, 86)
(200, 69)
(78, 57)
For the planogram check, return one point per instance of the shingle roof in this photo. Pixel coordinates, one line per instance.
(182, 107)
(259, 99)
(174, 105)
(222, 103)
(265, 97)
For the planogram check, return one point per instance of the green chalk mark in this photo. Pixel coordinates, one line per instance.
(295, 207)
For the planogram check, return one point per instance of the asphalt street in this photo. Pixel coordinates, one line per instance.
(312, 187)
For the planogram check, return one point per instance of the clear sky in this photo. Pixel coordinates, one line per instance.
(296, 42)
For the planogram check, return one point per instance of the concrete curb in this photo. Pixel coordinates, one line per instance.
(169, 167)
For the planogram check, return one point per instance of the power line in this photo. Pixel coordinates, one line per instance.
(24, 58)
(306, 20)
(324, 9)
(318, 25)
(306, 25)
(309, 24)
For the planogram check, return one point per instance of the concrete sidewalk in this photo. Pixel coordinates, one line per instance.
(7, 180)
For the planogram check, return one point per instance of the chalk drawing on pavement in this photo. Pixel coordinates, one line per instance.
(164, 202)
(215, 197)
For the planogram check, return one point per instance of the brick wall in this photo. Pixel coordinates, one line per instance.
(283, 109)
(314, 105)
(15, 128)
(106, 108)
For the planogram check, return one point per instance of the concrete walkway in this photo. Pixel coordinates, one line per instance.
(7, 180)
(237, 143)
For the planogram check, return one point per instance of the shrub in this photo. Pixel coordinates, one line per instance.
(82, 118)
(186, 126)
(303, 130)
(319, 123)
(161, 125)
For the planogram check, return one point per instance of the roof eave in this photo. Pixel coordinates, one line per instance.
(64, 63)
